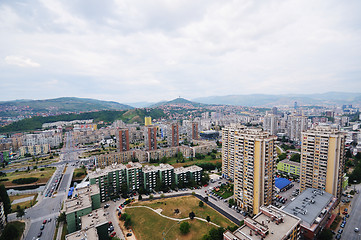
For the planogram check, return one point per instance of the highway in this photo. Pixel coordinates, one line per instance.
(354, 220)
(49, 207)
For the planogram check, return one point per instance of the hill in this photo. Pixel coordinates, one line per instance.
(178, 101)
(129, 116)
(57, 105)
(264, 100)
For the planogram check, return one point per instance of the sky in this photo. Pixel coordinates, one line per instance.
(141, 50)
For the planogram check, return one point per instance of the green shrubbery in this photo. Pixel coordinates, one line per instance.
(25, 180)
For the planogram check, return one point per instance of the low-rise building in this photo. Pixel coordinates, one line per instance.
(270, 223)
(82, 203)
(313, 207)
(289, 167)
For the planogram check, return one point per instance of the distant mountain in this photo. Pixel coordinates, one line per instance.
(127, 116)
(178, 101)
(264, 100)
(140, 104)
(65, 104)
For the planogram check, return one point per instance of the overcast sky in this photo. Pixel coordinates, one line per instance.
(141, 50)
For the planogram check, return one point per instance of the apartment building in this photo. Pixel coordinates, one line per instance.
(270, 123)
(123, 140)
(173, 135)
(34, 149)
(270, 223)
(295, 126)
(228, 136)
(109, 180)
(133, 175)
(2, 217)
(192, 129)
(149, 177)
(254, 165)
(322, 159)
(148, 121)
(166, 174)
(150, 138)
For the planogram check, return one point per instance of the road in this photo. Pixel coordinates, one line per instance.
(49, 207)
(354, 219)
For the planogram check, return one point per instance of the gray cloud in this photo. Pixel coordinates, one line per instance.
(152, 50)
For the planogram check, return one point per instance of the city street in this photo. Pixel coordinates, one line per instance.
(355, 218)
(49, 207)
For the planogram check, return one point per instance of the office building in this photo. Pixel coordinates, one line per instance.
(295, 126)
(173, 135)
(270, 223)
(150, 138)
(123, 140)
(254, 165)
(322, 159)
(314, 207)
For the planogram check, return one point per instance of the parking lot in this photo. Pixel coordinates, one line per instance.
(288, 195)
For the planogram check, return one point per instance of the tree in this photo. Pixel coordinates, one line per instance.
(20, 213)
(295, 157)
(201, 204)
(282, 156)
(140, 197)
(151, 197)
(208, 218)
(213, 156)
(10, 231)
(62, 217)
(192, 215)
(162, 195)
(325, 235)
(184, 227)
(231, 201)
(128, 221)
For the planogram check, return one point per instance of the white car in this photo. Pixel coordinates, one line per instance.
(357, 230)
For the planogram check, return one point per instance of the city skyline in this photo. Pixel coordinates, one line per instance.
(139, 51)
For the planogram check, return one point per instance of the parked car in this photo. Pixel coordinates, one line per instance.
(129, 234)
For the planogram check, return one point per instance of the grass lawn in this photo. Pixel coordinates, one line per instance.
(43, 176)
(79, 174)
(148, 225)
(225, 191)
(186, 205)
(19, 226)
(41, 161)
(26, 204)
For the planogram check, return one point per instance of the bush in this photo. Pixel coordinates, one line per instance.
(184, 227)
(201, 204)
(25, 180)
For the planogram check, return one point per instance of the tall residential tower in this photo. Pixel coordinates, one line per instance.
(322, 159)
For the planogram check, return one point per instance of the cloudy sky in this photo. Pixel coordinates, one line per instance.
(141, 50)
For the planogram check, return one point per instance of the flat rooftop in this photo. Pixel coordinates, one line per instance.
(309, 205)
(101, 172)
(131, 165)
(81, 199)
(90, 233)
(276, 229)
(291, 163)
(94, 219)
(193, 168)
(180, 170)
(149, 168)
(165, 166)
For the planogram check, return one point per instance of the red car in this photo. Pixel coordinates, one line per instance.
(113, 234)
(44, 222)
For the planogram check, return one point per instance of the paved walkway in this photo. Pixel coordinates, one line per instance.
(170, 218)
